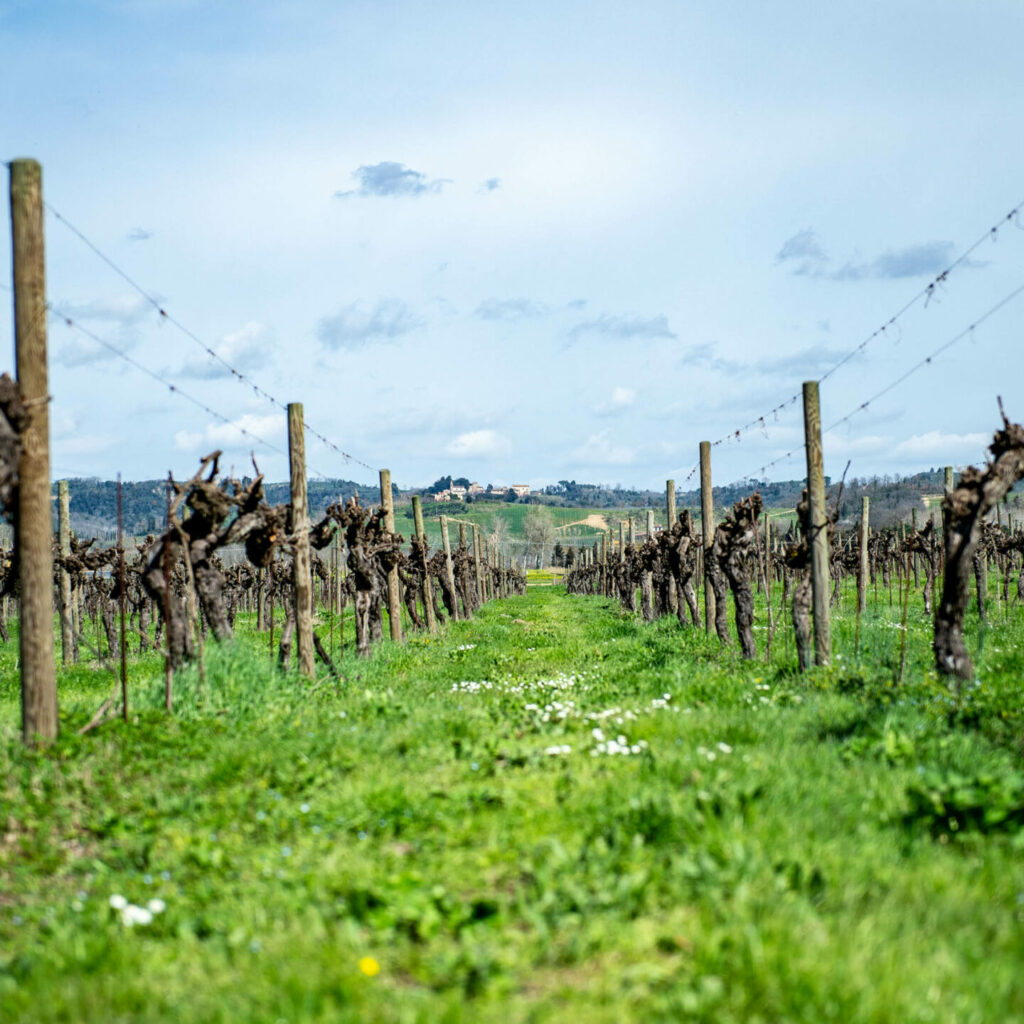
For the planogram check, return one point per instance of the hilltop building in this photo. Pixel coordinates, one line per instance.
(458, 493)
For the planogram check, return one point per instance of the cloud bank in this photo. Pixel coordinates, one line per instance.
(804, 255)
(478, 444)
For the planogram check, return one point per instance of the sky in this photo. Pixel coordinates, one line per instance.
(524, 242)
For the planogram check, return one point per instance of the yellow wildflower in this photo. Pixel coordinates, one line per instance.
(369, 966)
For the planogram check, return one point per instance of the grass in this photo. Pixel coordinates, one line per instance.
(837, 846)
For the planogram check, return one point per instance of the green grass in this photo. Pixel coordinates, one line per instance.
(835, 847)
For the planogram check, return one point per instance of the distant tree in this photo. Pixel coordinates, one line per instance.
(442, 483)
(539, 531)
(499, 532)
(461, 481)
(558, 554)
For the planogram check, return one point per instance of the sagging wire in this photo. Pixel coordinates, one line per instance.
(153, 301)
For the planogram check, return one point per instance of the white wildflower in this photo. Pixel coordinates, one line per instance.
(133, 915)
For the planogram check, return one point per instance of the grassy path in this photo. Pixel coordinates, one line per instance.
(553, 813)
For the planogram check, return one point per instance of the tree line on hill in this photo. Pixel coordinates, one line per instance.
(94, 502)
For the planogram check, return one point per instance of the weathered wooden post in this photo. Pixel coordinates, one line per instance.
(34, 539)
(478, 572)
(947, 486)
(862, 575)
(122, 587)
(67, 635)
(472, 597)
(649, 576)
(449, 569)
(604, 564)
(302, 574)
(478, 564)
(707, 530)
(913, 554)
(394, 599)
(670, 519)
(339, 579)
(428, 589)
(819, 525)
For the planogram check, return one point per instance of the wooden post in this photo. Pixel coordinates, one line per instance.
(67, 636)
(34, 540)
(707, 530)
(394, 600)
(478, 576)
(862, 576)
(819, 525)
(603, 555)
(632, 531)
(622, 540)
(485, 552)
(947, 481)
(339, 581)
(448, 567)
(478, 571)
(168, 669)
(670, 519)
(428, 590)
(302, 574)
(913, 555)
(122, 587)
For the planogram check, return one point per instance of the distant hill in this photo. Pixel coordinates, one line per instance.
(94, 502)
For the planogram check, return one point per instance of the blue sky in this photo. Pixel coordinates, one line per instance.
(524, 242)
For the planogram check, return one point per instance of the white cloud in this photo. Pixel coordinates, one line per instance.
(621, 400)
(84, 444)
(934, 445)
(245, 349)
(478, 444)
(600, 450)
(241, 432)
(116, 321)
(836, 444)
